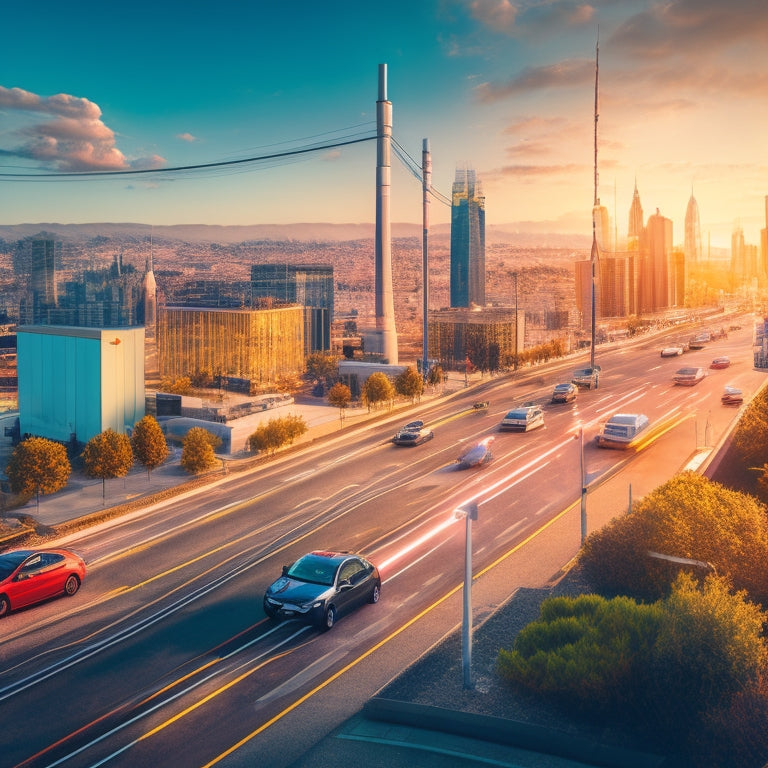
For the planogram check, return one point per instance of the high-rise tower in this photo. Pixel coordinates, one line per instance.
(692, 241)
(43, 273)
(467, 241)
(635, 227)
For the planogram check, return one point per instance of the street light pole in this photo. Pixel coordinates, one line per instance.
(583, 487)
(469, 512)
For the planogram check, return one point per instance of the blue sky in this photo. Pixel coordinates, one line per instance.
(505, 87)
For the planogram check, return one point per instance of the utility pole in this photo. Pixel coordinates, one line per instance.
(426, 185)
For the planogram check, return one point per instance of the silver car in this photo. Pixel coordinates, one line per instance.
(523, 419)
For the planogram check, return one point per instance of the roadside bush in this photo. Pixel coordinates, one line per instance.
(671, 668)
(276, 433)
(688, 517)
(710, 645)
(586, 650)
(735, 735)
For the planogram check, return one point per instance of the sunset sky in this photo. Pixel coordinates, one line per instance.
(502, 86)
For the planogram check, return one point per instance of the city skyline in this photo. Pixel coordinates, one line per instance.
(505, 87)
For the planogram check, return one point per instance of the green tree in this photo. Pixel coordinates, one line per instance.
(294, 426)
(435, 376)
(409, 384)
(377, 389)
(107, 455)
(322, 366)
(38, 466)
(710, 645)
(148, 443)
(750, 438)
(197, 451)
(339, 396)
(686, 517)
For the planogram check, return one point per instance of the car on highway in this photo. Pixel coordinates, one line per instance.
(564, 393)
(588, 378)
(720, 362)
(732, 396)
(621, 430)
(322, 586)
(673, 350)
(476, 455)
(699, 341)
(413, 433)
(687, 377)
(29, 576)
(523, 419)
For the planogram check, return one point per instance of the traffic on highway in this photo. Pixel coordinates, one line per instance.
(201, 631)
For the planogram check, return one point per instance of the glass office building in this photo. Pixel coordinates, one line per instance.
(309, 285)
(467, 241)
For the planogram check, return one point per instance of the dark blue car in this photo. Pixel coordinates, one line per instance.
(322, 586)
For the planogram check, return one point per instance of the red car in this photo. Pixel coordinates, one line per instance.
(29, 576)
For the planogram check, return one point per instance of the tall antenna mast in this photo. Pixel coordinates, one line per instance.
(597, 105)
(595, 256)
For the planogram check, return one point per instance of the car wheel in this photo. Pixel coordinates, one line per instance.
(375, 594)
(71, 585)
(5, 606)
(328, 619)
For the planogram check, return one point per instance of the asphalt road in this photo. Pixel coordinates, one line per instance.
(165, 654)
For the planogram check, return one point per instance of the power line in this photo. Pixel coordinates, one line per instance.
(415, 169)
(72, 175)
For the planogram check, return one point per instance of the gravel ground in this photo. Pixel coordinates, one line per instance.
(437, 678)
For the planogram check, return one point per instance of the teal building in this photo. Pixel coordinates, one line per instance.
(74, 382)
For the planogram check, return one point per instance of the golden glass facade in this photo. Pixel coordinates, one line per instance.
(453, 331)
(259, 345)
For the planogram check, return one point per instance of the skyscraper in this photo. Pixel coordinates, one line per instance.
(692, 242)
(467, 241)
(635, 228)
(43, 273)
(739, 268)
(655, 255)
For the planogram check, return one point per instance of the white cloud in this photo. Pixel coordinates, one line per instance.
(71, 135)
(186, 137)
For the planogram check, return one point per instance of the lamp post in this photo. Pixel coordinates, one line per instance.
(469, 512)
(583, 486)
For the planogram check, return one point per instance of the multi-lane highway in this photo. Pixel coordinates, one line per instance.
(165, 655)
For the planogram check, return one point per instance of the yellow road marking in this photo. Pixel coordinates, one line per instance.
(381, 643)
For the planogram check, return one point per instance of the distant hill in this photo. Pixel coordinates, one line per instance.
(513, 234)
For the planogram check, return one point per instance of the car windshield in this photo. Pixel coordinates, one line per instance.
(10, 561)
(562, 387)
(315, 569)
(522, 414)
